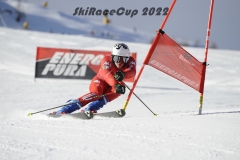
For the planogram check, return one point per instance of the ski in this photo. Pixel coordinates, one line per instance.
(89, 115)
(79, 115)
(112, 114)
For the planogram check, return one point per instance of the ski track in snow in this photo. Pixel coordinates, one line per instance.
(145, 137)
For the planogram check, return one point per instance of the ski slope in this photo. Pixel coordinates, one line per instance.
(50, 20)
(176, 133)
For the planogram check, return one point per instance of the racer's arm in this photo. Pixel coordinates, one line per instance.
(130, 71)
(106, 72)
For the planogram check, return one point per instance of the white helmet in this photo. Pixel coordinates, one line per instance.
(121, 49)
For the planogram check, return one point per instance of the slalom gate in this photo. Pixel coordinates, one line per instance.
(170, 58)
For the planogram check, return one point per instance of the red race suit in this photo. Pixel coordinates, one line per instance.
(103, 82)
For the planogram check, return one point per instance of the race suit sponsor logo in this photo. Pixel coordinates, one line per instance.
(132, 63)
(88, 96)
(106, 65)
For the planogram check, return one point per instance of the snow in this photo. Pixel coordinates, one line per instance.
(50, 20)
(178, 132)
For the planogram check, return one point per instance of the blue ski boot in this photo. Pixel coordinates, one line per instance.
(96, 105)
(71, 106)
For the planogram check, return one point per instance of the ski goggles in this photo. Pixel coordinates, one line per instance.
(117, 59)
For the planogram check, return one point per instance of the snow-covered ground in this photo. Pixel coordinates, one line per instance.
(176, 133)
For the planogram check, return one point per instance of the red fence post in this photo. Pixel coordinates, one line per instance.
(148, 55)
(205, 57)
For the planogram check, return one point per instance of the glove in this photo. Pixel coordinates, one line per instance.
(119, 76)
(119, 89)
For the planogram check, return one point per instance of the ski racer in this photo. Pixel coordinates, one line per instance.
(108, 81)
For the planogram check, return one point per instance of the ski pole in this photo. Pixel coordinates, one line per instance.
(96, 96)
(29, 114)
(141, 100)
